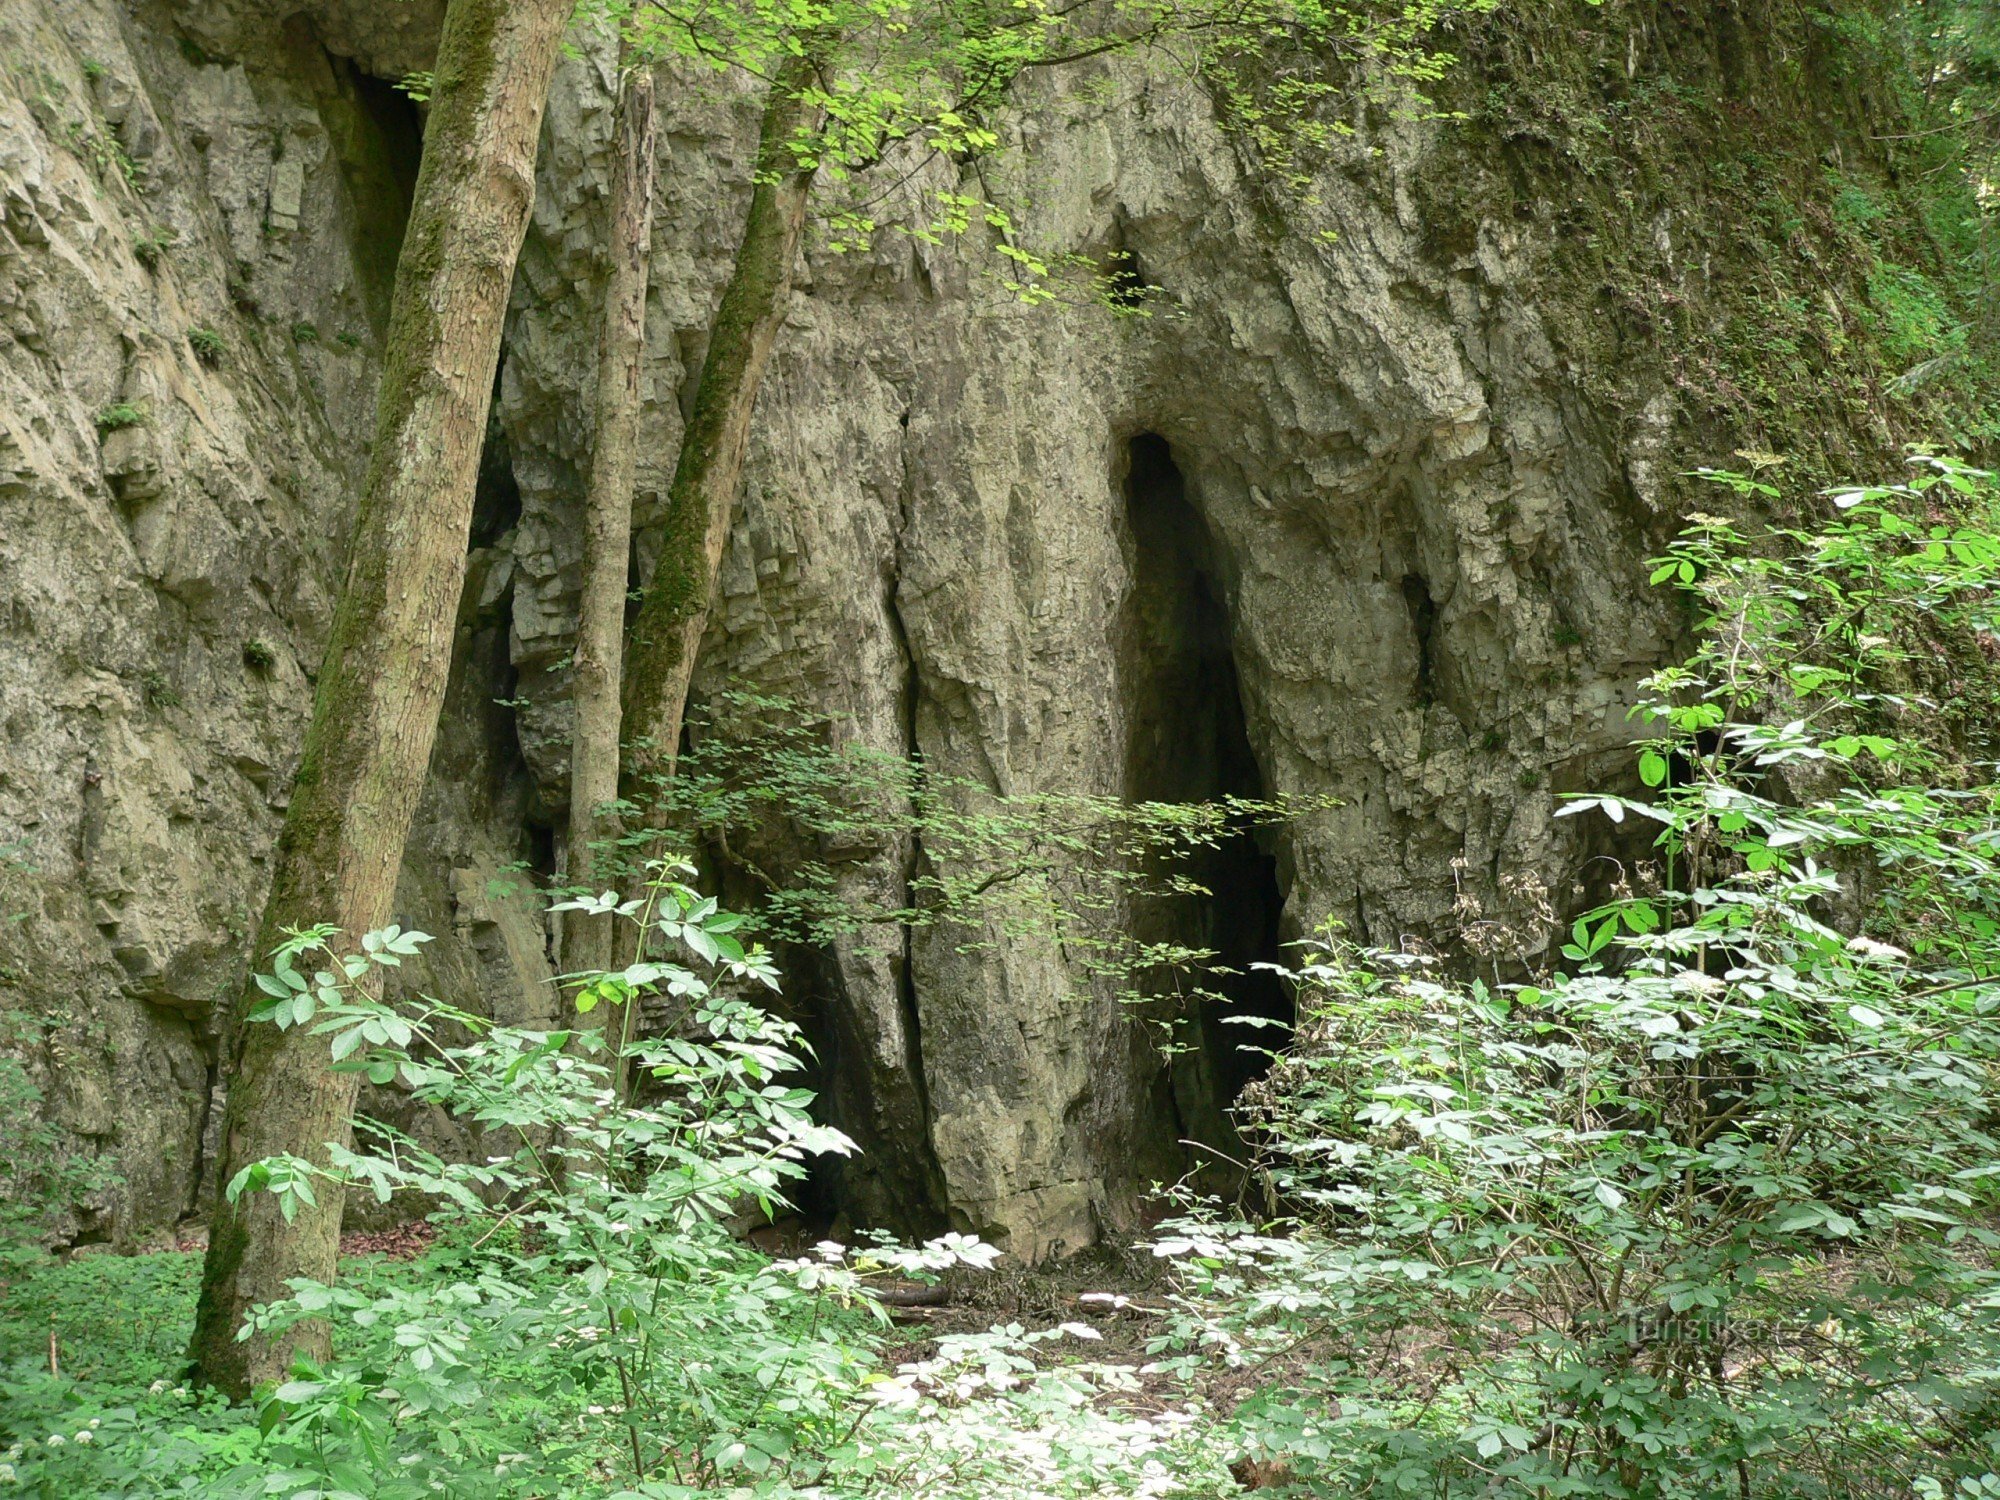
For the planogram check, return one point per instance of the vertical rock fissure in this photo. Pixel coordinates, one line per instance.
(866, 1021)
(376, 131)
(198, 1186)
(1186, 741)
(925, 1150)
(906, 980)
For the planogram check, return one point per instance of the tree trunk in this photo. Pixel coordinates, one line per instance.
(383, 681)
(708, 476)
(600, 636)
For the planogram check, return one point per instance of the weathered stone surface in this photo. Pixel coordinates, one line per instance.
(166, 588)
(1420, 510)
(934, 548)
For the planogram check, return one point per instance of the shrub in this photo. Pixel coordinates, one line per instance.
(120, 415)
(1710, 1212)
(159, 689)
(595, 1317)
(208, 346)
(151, 247)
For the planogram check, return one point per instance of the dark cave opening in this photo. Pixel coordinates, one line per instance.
(1423, 622)
(383, 143)
(1187, 741)
(376, 131)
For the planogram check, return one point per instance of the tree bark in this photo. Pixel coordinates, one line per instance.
(600, 639)
(382, 684)
(708, 476)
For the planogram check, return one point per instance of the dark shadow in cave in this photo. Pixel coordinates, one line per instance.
(376, 131)
(1186, 741)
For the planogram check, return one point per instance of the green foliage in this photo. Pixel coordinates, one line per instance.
(1285, 77)
(591, 1321)
(113, 1420)
(1915, 322)
(603, 1283)
(120, 415)
(305, 333)
(208, 345)
(151, 247)
(259, 655)
(895, 85)
(1713, 222)
(106, 154)
(803, 809)
(1711, 1212)
(159, 689)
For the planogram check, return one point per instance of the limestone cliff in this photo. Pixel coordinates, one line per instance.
(1359, 509)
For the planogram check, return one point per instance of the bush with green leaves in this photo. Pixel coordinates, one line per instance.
(42, 1176)
(92, 1403)
(1711, 1211)
(120, 415)
(600, 1326)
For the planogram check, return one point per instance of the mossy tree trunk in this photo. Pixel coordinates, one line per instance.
(600, 641)
(708, 476)
(383, 681)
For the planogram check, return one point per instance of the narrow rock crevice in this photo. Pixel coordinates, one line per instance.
(1187, 741)
(376, 131)
(863, 1014)
(921, 1151)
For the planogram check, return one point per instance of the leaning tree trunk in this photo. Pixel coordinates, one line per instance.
(600, 637)
(660, 657)
(383, 681)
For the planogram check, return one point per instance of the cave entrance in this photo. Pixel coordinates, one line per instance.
(379, 137)
(376, 131)
(1186, 741)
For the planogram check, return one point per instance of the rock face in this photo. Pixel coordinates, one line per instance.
(1420, 549)
(1355, 511)
(192, 285)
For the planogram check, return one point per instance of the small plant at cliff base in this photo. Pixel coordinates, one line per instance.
(41, 1178)
(591, 1326)
(120, 415)
(1713, 1212)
